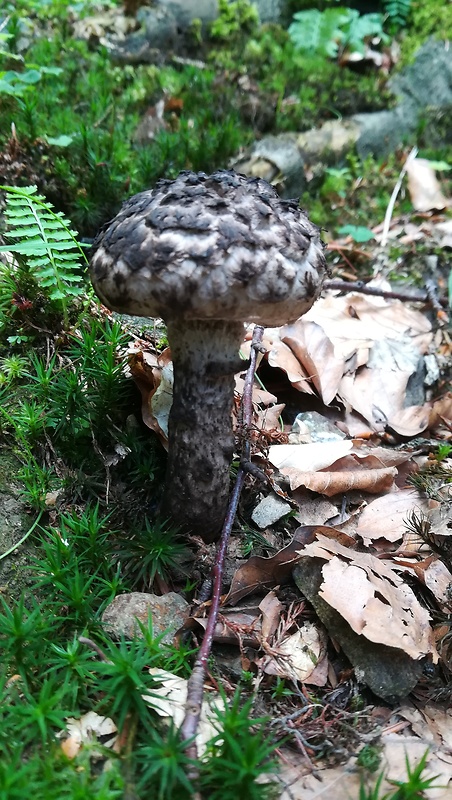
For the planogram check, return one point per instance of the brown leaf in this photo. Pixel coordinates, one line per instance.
(385, 517)
(259, 573)
(146, 368)
(372, 598)
(374, 394)
(424, 186)
(304, 457)
(315, 352)
(271, 609)
(411, 421)
(373, 481)
(299, 656)
(281, 356)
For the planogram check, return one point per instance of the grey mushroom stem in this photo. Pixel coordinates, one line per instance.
(205, 358)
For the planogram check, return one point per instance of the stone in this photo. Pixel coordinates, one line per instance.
(269, 511)
(389, 672)
(168, 612)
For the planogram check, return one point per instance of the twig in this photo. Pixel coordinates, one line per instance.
(387, 220)
(195, 687)
(23, 538)
(363, 288)
(435, 300)
(93, 646)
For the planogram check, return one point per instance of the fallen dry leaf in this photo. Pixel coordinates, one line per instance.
(170, 698)
(438, 579)
(88, 729)
(385, 517)
(315, 353)
(331, 483)
(423, 186)
(357, 348)
(307, 457)
(259, 573)
(299, 656)
(411, 421)
(372, 598)
(280, 355)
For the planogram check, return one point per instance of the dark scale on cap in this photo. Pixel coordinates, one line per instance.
(222, 246)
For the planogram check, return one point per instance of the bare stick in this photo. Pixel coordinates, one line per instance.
(195, 687)
(363, 288)
(387, 220)
(95, 647)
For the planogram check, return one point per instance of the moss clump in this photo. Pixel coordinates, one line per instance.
(431, 18)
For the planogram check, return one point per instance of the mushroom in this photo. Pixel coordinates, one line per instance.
(207, 253)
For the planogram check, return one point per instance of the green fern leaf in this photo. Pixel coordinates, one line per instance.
(324, 32)
(397, 11)
(46, 241)
(362, 27)
(319, 31)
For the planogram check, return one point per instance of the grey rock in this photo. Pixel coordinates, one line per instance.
(285, 163)
(168, 613)
(422, 90)
(390, 673)
(271, 10)
(319, 429)
(269, 511)
(185, 11)
(427, 82)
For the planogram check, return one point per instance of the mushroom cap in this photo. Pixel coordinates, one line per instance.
(220, 246)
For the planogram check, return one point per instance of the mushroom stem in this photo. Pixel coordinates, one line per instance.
(201, 442)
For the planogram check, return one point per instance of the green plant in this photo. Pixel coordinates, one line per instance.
(19, 84)
(369, 757)
(151, 552)
(415, 785)
(444, 451)
(280, 690)
(397, 11)
(164, 765)
(13, 367)
(334, 29)
(412, 788)
(22, 631)
(234, 17)
(45, 240)
(126, 681)
(39, 713)
(359, 233)
(240, 752)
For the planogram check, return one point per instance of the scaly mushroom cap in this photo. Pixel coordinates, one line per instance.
(218, 246)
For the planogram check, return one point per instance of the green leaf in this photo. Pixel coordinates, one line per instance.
(440, 166)
(8, 88)
(362, 27)
(51, 70)
(60, 141)
(319, 31)
(359, 233)
(30, 76)
(44, 237)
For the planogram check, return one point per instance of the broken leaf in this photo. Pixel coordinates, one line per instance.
(372, 598)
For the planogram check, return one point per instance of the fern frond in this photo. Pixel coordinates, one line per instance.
(397, 11)
(46, 241)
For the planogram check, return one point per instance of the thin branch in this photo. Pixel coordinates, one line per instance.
(95, 647)
(389, 211)
(195, 688)
(363, 288)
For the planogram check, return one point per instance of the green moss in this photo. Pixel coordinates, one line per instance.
(355, 194)
(427, 18)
